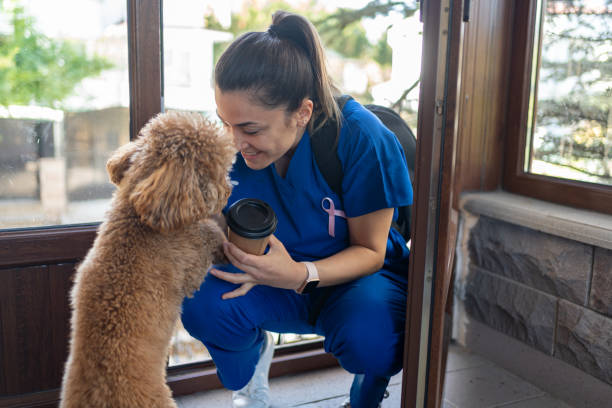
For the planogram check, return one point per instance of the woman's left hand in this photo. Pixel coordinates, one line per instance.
(276, 268)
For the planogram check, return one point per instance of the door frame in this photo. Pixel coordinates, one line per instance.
(434, 223)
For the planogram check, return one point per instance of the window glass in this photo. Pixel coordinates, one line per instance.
(570, 122)
(64, 99)
(375, 57)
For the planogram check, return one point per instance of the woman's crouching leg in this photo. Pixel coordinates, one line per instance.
(232, 338)
(231, 329)
(364, 323)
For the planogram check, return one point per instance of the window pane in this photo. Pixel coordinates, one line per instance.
(376, 60)
(571, 130)
(64, 100)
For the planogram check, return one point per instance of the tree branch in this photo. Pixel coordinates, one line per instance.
(398, 104)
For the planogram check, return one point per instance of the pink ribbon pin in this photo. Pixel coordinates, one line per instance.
(332, 212)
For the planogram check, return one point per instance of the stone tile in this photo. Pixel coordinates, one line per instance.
(486, 386)
(511, 308)
(601, 286)
(549, 263)
(584, 339)
(541, 402)
(459, 358)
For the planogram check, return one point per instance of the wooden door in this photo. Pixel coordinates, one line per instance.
(434, 226)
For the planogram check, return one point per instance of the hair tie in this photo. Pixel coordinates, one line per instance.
(273, 31)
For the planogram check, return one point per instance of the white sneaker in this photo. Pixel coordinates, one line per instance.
(256, 394)
(347, 402)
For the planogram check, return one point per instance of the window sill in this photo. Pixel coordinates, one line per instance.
(580, 225)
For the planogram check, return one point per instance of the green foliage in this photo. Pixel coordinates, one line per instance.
(38, 69)
(382, 53)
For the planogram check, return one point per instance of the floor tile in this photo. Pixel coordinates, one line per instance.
(545, 401)
(460, 358)
(471, 382)
(486, 386)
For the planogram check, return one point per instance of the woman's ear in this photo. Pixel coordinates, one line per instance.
(120, 161)
(304, 112)
(169, 198)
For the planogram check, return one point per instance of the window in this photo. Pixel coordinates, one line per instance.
(560, 114)
(64, 107)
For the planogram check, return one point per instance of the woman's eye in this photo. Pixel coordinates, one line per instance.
(251, 132)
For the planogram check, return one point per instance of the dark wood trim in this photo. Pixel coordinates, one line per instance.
(43, 399)
(425, 203)
(590, 196)
(145, 62)
(448, 217)
(45, 245)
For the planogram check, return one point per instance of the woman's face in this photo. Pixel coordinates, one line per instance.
(262, 135)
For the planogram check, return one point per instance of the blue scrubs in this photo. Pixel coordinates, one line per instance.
(363, 320)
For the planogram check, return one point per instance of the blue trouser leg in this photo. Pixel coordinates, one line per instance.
(363, 325)
(368, 390)
(231, 329)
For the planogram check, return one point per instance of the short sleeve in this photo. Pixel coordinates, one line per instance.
(375, 171)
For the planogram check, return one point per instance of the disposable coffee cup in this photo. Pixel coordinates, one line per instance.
(250, 223)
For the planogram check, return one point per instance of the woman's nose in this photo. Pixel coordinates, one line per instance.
(240, 143)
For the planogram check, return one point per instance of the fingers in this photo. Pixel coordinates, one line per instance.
(242, 279)
(241, 291)
(237, 278)
(239, 258)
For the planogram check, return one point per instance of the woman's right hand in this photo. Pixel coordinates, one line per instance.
(275, 268)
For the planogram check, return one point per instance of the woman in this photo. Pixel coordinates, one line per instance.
(272, 92)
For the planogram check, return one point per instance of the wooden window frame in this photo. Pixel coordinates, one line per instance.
(596, 197)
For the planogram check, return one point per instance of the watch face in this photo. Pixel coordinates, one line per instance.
(310, 286)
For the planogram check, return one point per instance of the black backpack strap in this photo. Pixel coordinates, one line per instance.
(324, 144)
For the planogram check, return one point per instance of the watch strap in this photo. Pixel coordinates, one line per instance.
(313, 276)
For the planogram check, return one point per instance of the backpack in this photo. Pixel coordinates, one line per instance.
(324, 146)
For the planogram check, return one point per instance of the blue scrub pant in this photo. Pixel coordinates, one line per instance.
(362, 321)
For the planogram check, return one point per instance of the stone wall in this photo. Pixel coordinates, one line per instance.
(552, 293)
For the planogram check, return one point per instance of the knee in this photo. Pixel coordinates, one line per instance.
(370, 341)
(203, 313)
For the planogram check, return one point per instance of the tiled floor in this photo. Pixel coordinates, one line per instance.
(471, 382)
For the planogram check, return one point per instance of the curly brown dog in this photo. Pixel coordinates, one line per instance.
(153, 250)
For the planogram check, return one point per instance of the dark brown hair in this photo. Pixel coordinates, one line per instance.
(281, 67)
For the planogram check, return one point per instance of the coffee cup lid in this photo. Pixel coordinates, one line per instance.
(251, 218)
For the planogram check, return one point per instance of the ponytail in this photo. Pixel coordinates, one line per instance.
(281, 67)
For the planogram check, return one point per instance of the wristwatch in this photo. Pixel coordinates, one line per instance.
(312, 280)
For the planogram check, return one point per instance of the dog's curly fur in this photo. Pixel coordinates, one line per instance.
(153, 250)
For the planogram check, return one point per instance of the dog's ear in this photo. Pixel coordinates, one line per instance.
(169, 198)
(120, 161)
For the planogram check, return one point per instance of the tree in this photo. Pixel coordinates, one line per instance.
(40, 70)
(574, 110)
(341, 30)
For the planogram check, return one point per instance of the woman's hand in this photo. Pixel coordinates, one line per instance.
(276, 268)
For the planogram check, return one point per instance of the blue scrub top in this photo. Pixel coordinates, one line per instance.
(375, 177)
